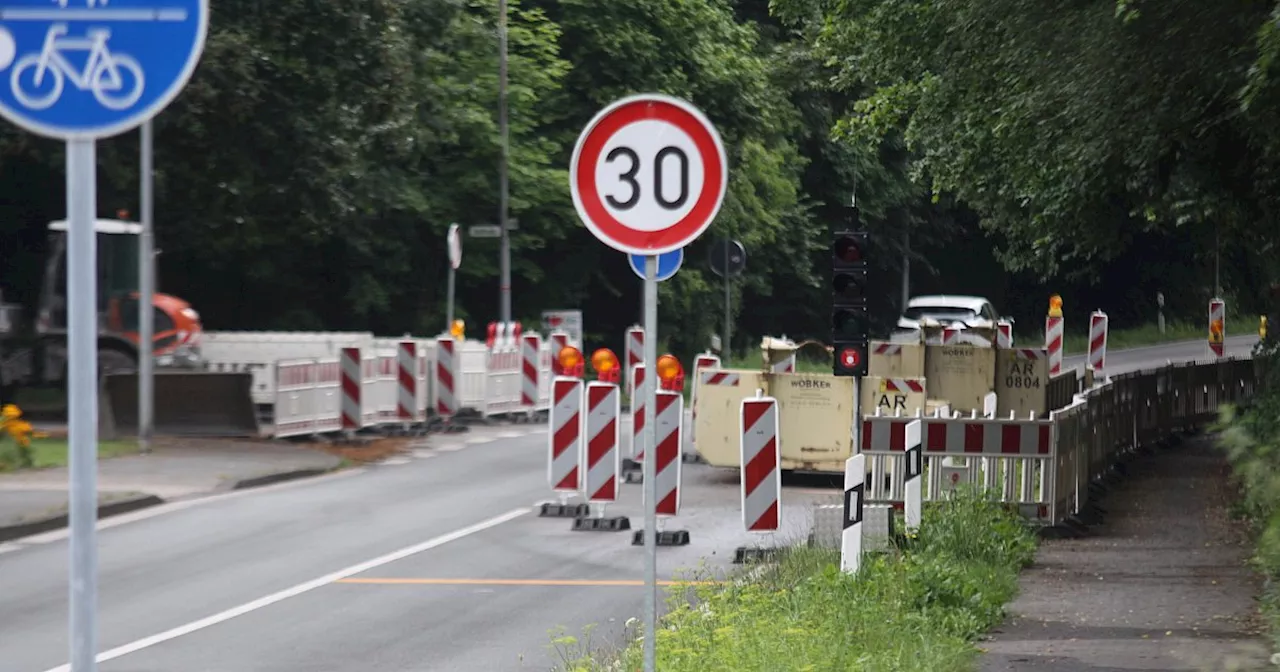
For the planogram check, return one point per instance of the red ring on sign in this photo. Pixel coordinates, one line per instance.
(850, 357)
(704, 209)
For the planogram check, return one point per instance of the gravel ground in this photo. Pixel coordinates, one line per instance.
(1163, 584)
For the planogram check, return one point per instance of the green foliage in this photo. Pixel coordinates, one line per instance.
(915, 610)
(1251, 438)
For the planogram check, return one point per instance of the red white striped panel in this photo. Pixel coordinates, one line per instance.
(903, 385)
(887, 349)
(719, 378)
(991, 438)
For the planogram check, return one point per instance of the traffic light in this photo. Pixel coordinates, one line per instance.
(850, 321)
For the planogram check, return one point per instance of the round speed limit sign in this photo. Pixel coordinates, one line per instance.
(648, 174)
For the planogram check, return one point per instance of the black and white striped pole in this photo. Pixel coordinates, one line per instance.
(912, 490)
(855, 474)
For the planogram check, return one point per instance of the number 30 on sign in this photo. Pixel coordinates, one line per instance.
(648, 174)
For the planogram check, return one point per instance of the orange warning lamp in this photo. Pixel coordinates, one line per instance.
(1055, 306)
(458, 329)
(570, 359)
(1215, 331)
(606, 365)
(671, 373)
(122, 214)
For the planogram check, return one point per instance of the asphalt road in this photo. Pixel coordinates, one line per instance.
(1151, 357)
(432, 563)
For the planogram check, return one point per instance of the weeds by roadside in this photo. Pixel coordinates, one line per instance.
(918, 608)
(1251, 438)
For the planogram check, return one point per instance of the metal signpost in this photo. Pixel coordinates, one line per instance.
(648, 175)
(146, 292)
(455, 261)
(668, 264)
(137, 55)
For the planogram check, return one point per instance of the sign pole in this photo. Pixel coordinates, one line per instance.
(82, 389)
(504, 263)
(650, 463)
(728, 303)
(146, 290)
(448, 320)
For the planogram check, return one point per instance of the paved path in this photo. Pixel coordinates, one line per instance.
(1155, 356)
(1162, 585)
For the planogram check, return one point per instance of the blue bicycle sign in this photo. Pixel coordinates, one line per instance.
(97, 69)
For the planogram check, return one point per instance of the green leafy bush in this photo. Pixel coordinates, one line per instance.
(1251, 438)
(915, 609)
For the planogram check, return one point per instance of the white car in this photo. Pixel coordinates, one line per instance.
(942, 310)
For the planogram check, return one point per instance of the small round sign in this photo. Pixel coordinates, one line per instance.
(455, 247)
(668, 264)
(850, 358)
(648, 174)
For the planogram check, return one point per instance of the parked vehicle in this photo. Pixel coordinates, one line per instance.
(974, 312)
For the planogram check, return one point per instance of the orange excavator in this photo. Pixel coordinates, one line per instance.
(36, 354)
(33, 353)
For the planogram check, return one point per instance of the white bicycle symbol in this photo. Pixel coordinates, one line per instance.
(102, 72)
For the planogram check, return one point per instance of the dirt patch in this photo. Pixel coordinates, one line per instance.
(373, 451)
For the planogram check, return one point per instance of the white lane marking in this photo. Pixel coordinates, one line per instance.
(513, 435)
(170, 507)
(301, 588)
(479, 439)
(450, 448)
(396, 461)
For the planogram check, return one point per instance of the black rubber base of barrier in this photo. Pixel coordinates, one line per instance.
(614, 524)
(634, 477)
(549, 510)
(744, 555)
(629, 464)
(691, 458)
(664, 538)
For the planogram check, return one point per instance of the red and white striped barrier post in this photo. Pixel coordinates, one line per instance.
(446, 379)
(902, 385)
(1217, 327)
(668, 424)
(632, 465)
(703, 362)
(1098, 341)
(352, 381)
(633, 352)
(559, 341)
(1053, 330)
(913, 482)
(1004, 334)
(761, 481)
(601, 464)
(530, 347)
(950, 333)
(855, 476)
(564, 445)
(787, 365)
(407, 383)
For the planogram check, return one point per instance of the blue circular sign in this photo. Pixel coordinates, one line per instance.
(668, 263)
(85, 69)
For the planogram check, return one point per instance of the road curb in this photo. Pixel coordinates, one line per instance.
(20, 530)
(281, 477)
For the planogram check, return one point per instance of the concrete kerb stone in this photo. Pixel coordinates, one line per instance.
(19, 530)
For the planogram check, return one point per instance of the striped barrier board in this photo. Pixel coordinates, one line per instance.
(637, 413)
(352, 378)
(407, 387)
(1004, 334)
(961, 436)
(669, 416)
(633, 348)
(446, 377)
(1098, 340)
(565, 437)
(761, 481)
(530, 345)
(601, 462)
(1053, 330)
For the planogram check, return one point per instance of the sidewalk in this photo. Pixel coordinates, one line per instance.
(1162, 585)
(36, 500)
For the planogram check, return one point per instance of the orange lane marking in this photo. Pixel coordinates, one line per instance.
(518, 582)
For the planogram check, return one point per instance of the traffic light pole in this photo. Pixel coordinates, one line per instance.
(857, 416)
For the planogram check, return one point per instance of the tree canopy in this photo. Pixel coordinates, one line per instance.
(307, 175)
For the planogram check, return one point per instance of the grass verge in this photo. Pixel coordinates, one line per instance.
(52, 452)
(917, 608)
(1251, 438)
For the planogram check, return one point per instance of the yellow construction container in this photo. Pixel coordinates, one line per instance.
(962, 374)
